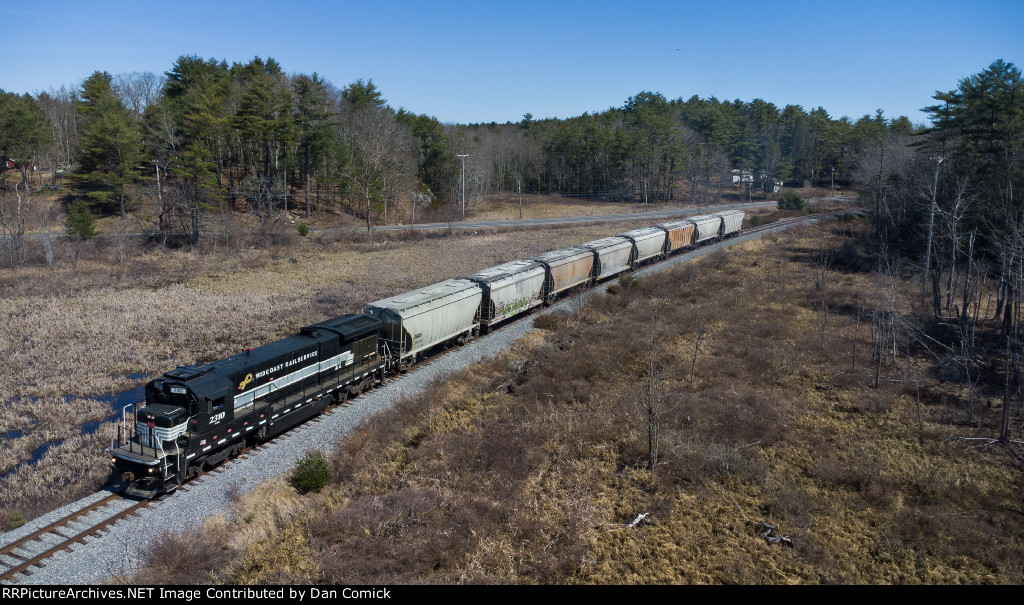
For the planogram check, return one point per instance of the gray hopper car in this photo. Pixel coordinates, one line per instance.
(708, 226)
(612, 255)
(415, 321)
(648, 243)
(509, 289)
(732, 221)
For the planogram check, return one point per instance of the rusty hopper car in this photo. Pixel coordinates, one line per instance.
(565, 269)
(198, 415)
(612, 255)
(732, 221)
(680, 235)
(648, 243)
(708, 227)
(509, 289)
(416, 321)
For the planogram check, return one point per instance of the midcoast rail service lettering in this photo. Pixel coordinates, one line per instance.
(286, 364)
(196, 594)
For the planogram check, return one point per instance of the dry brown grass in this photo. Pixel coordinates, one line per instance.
(506, 207)
(74, 467)
(249, 545)
(528, 467)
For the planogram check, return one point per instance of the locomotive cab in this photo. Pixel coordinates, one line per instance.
(151, 457)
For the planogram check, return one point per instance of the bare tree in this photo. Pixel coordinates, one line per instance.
(46, 218)
(823, 262)
(60, 106)
(382, 148)
(700, 330)
(650, 400)
(138, 90)
(13, 209)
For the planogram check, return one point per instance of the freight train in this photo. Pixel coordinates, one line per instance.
(196, 416)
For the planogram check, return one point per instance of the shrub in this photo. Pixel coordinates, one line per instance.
(629, 281)
(791, 200)
(303, 229)
(755, 220)
(192, 557)
(15, 520)
(80, 222)
(550, 321)
(312, 472)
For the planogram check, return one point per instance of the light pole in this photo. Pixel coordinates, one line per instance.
(463, 157)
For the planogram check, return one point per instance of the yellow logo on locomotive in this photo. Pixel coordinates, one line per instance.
(244, 383)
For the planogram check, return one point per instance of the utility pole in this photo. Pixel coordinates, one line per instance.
(833, 181)
(520, 187)
(646, 207)
(463, 157)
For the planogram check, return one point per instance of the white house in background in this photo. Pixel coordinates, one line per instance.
(742, 176)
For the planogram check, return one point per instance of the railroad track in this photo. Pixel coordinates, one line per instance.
(18, 558)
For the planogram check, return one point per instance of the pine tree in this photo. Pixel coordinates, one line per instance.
(111, 146)
(24, 131)
(312, 123)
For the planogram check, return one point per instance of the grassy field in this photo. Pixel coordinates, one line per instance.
(533, 466)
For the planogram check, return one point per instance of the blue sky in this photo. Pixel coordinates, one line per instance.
(486, 61)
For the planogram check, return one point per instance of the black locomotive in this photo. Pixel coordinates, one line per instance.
(196, 416)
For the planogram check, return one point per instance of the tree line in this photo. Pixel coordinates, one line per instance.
(947, 208)
(249, 137)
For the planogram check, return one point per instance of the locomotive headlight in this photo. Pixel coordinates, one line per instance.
(150, 470)
(113, 460)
